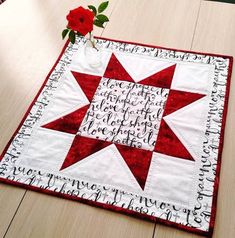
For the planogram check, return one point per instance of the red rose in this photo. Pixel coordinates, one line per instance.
(81, 20)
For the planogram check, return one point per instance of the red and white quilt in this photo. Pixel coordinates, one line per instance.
(141, 134)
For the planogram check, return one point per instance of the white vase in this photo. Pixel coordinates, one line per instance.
(92, 52)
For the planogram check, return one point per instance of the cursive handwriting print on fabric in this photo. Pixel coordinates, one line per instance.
(125, 113)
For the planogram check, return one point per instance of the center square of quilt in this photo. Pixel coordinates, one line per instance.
(125, 113)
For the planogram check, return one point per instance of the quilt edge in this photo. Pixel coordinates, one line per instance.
(96, 204)
(165, 48)
(221, 144)
(123, 210)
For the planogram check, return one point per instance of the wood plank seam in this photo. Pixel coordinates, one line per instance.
(8, 227)
(154, 229)
(198, 13)
(109, 17)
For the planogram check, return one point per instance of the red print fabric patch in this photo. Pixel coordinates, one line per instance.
(131, 134)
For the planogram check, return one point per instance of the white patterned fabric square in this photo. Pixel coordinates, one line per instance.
(125, 113)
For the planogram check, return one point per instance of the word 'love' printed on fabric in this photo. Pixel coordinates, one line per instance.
(125, 113)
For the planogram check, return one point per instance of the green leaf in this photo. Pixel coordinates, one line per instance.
(103, 6)
(93, 9)
(64, 33)
(102, 18)
(72, 37)
(98, 23)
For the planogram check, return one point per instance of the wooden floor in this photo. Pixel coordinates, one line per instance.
(29, 45)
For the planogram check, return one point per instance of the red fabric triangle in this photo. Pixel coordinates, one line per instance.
(169, 144)
(81, 148)
(69, 123)
(115, 70)
(160, 79)
(178, 99)
(88, 83)
(138, 161)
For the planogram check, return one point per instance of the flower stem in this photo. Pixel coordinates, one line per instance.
(92, 41)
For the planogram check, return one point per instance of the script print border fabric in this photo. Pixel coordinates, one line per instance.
(198, 213)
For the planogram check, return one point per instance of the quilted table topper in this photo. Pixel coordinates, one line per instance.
(141, 133)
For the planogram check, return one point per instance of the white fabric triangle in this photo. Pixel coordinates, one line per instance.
(105, 167)
(188, 124)
(141, 67)
(68, 98)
